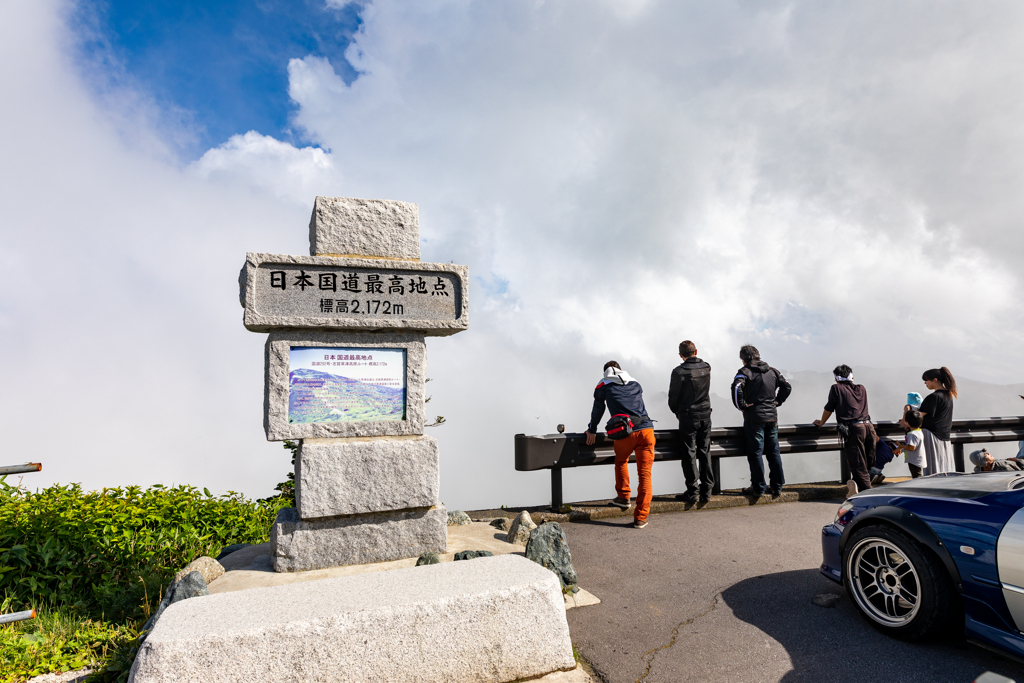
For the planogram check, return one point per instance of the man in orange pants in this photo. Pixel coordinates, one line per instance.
(625, 396)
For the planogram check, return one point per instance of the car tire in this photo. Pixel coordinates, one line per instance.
(899, 587)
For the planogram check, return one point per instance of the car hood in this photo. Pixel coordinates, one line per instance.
(952, 485)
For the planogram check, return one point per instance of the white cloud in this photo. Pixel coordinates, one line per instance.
(832, 183)
(265, 163)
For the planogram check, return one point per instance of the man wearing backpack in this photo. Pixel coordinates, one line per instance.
(688, 399)
(757, 390)
(632, 432)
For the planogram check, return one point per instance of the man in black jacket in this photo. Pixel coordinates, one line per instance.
(758, 390)
(688, 399)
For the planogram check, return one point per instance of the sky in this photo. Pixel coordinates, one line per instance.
(832, 182)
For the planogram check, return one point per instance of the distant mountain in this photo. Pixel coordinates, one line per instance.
(317, 396)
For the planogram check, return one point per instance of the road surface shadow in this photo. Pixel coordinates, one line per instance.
(838, 644)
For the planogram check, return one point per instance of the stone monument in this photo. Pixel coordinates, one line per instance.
(345, 368)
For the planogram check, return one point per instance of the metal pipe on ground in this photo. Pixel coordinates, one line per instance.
(21, 469)
(557, 452)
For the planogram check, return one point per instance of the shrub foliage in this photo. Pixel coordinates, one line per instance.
(109, 554)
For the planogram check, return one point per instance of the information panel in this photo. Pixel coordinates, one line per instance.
(340, 384)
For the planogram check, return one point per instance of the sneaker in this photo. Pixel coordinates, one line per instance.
(851, 488)
(637, 524)
(775, 493)
(620, 503)
(751, 491)
(704, 499)
(877, 479)
(689, 497)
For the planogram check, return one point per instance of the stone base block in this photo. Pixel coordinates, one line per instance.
(490, 619)
(300, 545)
(342, 477)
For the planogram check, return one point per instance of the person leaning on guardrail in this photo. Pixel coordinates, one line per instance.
(757, 390)
(625, 397)
(689, 401)
(849, 402)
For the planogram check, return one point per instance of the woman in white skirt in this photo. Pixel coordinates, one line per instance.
(937, 409)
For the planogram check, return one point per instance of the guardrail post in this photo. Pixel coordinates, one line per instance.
(958, 457)
(556, 489)
(716, 469)
(844, 468)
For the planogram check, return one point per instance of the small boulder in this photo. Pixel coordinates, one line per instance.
(189, 586)
(428, 558)
(473, 554)
(458, 518)
(210, 568)
(228, 549)
(547, 547)
(501, 523)
(520, 528)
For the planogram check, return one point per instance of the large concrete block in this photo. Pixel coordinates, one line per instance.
(345, 226)
(493, 619)
(300, 545)
(324, 292)
(351, 477)
(278, 385)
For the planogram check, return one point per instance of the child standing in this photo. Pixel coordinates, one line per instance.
(914, 442)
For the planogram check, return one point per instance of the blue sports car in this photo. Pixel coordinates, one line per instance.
(918, 556)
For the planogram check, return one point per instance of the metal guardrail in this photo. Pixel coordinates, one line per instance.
(557, 452)
(21, 469)
(17, 616)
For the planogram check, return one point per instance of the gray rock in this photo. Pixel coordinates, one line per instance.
(431, 298)
(825, 599)
(496, 619)
(473, 554)
(501, 523)
(189, 586)
(275, 401)
(300, 545)
(548, 548)
(458, 518)
(210, 569)
(341, 477)
(428, 558)
(520, 528)
(345, 226)
(228, 549)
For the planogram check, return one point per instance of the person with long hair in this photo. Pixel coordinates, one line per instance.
(937, 409)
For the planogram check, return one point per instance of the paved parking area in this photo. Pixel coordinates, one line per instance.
(725, 595)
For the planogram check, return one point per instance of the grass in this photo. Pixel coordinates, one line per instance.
(58, 640)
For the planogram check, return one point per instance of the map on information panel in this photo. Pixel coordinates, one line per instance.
(345, 385)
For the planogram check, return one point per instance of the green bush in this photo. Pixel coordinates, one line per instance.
(110, 554)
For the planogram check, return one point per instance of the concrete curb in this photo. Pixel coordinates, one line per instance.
(603, 509)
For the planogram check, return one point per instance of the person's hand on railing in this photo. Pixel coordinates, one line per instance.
(591, 438)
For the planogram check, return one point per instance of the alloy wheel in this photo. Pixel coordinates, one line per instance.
(885, 582)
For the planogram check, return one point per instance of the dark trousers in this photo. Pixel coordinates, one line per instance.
(695, 448)
(763, 438)
(859, 449)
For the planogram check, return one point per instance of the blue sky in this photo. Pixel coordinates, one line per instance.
(223, 62)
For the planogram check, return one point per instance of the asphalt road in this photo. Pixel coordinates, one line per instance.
(725, 595)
